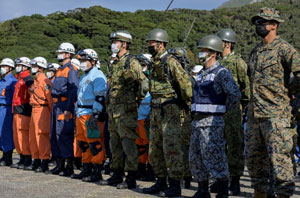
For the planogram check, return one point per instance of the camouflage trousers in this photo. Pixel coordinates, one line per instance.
(186, 126)
(165, 149)
(207, 152)
(269, 144)
(123, 134)
(234, 136)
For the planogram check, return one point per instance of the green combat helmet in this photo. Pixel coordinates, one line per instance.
(121, 35)
(181, 54)
(158, 35)
(227, 35)
(269, 14)
(211, 42)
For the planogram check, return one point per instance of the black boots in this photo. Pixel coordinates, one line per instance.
(160, 185)
(60, 166)
(77, 163)
(130, 181)
(27, 163)
(202, 191)
(115, 179)
(20, 163)
(86, 171)
(44, 167)
(141, 171)
(174, 189)
(234, 188)
(69, 170)
(96, 174)
(6, 159)
(36, 163)
(222, 188)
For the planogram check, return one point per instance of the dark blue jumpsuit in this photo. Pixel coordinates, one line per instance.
(64, 96)
(7, 88)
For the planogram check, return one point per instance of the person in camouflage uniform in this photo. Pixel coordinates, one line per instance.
(185, 117)
(215, 93)
(125, 79)
(170, 88)
(234, 134)
(269, 140)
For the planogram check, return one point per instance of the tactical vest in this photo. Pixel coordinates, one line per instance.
(205, 99)
(161, 82)
(120, 91)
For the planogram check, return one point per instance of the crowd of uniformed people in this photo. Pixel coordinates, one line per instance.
(154, 117)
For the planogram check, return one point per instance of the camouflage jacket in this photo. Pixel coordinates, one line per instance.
(165, 77)
(270, 66)
(226, 84)
(238, 68)
(124, 82)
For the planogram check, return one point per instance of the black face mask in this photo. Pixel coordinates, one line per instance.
(261, 30)
(152, 50)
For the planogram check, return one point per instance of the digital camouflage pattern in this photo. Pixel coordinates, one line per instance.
(234, 133)
(186, 127)
(238, 68)
(207, 152)
(165, 149)
(123, 112)
(207, 147)
(269, 114)
(164, 79)
(268, 14)
(270, 67)
(270, 138)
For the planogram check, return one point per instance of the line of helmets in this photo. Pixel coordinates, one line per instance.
(212, 42)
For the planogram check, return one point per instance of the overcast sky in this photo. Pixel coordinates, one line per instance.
(10, 9)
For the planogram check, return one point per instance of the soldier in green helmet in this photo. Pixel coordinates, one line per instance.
(269, 138)
(171, 90)
(214, 94)
(233, 121)
(124, 95)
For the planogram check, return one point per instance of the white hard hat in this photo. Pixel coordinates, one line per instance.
(197, 68)
(87, 54)
(66, 47)
(23, 61)
(75, 62)
(39, 61)
(7, 62)
(148, 56)
(53, 66)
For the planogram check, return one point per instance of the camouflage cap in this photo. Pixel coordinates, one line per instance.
(270, 14)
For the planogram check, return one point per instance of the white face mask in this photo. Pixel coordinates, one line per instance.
(18, 69)
(114, 48)
(3, 70)
(34, 70)
(83, 66)
(202, 55)
(60, 57)
(49, 74)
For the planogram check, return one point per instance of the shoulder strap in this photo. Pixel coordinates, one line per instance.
(128, 59)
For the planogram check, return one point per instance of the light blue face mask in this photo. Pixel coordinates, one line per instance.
(34, 70)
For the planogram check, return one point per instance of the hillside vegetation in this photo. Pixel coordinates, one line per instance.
(37, 35)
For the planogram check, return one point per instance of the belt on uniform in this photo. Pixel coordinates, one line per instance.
(5, 105)
(199, 116)
(40, 105)
(159, 102)
(85, 106)
(60, 99)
